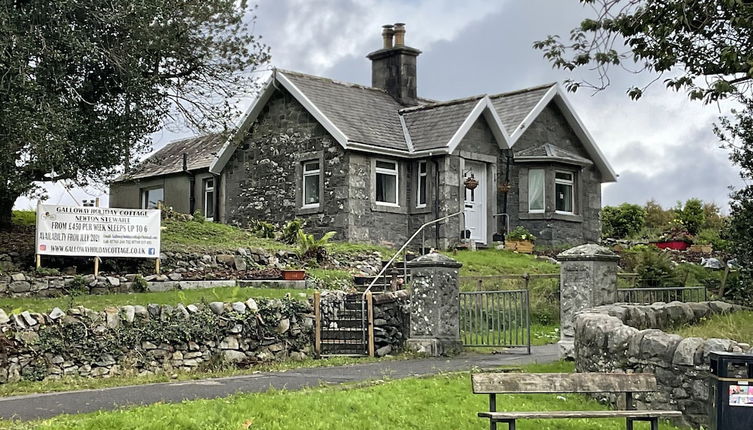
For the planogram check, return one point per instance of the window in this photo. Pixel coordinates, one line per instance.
(386, 182)
(563, 191)
(311, 176)
(536, 190)
(421, 186)
(152, 198)
(209, 199)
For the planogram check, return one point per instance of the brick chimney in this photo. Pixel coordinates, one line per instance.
(393, 68)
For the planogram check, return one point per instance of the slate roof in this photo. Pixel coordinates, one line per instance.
(549, 152)
(200, 152)
(433, 125)
(513, 107)
(366, 115)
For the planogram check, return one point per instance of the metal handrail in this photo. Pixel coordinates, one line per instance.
(386, 266)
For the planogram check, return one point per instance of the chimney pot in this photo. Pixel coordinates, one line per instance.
(387, 33)
(399, 34)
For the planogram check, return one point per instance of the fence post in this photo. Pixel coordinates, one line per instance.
(317, 323)
(370, 306)
(588, 278)
(435, 305)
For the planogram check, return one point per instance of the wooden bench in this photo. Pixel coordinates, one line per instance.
(575, 383)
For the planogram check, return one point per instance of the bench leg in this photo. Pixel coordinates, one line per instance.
(628, 423)
(510, 424)
(655, 424)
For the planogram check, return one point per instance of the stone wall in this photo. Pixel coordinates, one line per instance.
(262, 180)
(139, 340)
(180, 270)
(629, 338)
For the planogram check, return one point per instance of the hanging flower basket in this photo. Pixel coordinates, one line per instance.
(504, 187)
(471, 183)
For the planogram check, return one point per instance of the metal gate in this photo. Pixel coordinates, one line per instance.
(495, 319)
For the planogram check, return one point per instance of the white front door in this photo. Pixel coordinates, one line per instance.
(475, 201)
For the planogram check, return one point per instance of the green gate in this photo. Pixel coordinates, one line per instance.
(495, 319)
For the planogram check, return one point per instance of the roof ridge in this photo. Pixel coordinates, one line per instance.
(330, 80)
(441, 104)
(524, 90)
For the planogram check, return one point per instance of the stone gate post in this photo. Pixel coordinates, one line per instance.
(588, 278)
(435, 305)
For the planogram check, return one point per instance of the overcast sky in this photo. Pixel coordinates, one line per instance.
(662, 146)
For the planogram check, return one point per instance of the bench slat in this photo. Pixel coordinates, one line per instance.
(511, 383)
(579, 414)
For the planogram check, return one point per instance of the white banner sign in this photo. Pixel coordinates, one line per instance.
(98, 232)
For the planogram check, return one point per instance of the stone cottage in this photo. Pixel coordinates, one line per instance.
(375, 163)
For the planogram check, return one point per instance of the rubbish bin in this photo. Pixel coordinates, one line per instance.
(731, 395)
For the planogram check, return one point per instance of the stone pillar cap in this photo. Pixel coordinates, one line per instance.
(434, 259)
(588, 252)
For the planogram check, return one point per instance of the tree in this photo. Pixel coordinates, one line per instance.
(691, 216)
(657, 218)
(702, 47)
(84, 82)
(622, 221)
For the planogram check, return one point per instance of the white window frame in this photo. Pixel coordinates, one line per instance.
(305, 174)
(543, 192)
(145, 196)
(396, 173)
(422, 177)
(571, 183)
(206, 190)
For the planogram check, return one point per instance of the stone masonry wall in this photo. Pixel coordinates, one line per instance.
(549, 228)
(629, 338)
(139, 340)
(262, 179)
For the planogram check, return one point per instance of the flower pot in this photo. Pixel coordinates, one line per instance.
(679, 245)
(522, 246)
(293, 275)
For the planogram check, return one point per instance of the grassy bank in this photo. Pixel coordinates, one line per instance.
(735, 326)
(488, 262)
(99, 302)
(443, 401)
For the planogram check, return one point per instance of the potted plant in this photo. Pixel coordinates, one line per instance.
(675, 237)
(520, 240)
(293, 273)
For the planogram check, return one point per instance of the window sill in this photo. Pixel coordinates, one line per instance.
(560, 216)
(308, 210)
(388, 208)
(421, 210)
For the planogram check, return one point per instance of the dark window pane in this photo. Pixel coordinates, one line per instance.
(209, 204)
(564, 197)
(311, 189)
(563, 175)
(422, 190)
(386, 165)
(314, 165)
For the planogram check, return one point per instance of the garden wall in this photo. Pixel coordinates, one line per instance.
(138, 340)
(629, 338)
(180, 271)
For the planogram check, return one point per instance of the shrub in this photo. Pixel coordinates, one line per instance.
(290, 231)
(139, 284)
(691, 215)
(310, 248)
(263, 229)
(622, 221)
(198, 217)
(520, 233)
(655, 269)
(77, 286)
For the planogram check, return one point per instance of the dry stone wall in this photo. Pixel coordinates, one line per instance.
(140, 340)
(630, 338)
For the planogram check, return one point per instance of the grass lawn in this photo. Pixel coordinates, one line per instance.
(487, 262)
(99, 302)
(79, 383)
(443, 401)
(735, 326)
